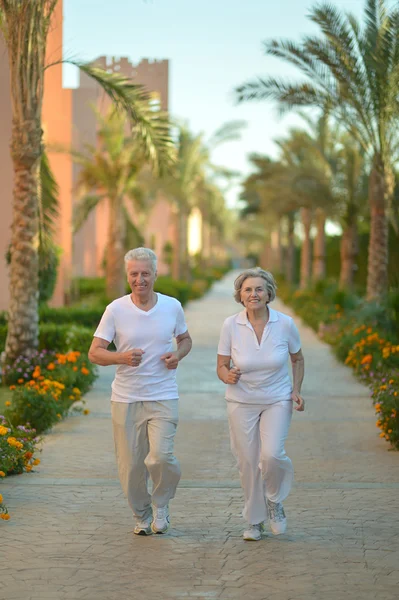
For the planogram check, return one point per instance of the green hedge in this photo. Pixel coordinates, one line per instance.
(59, 337)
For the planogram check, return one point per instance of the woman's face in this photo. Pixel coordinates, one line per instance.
(253, 292)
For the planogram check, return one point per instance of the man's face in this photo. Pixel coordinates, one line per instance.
(140, 276)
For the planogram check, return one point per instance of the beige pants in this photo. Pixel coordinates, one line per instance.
(144, 435)
(258, 433)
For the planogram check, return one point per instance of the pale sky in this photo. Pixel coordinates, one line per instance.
(212, 45)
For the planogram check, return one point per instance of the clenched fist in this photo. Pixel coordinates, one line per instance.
(171, 360)
(233, 376)
(133, 357)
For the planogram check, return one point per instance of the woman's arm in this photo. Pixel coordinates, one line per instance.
(298, 371)
(224, 372)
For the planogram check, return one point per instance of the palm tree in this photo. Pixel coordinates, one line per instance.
(352, 71)
(112, 172)
(25, 26)
(194, 173)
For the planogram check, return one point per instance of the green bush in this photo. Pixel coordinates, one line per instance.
(60, 338)
(40, 410)
(82, 316)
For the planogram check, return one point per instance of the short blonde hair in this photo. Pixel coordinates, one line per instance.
(142, 254)
(271, 285)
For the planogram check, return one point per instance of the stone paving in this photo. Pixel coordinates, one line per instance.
(70, 536)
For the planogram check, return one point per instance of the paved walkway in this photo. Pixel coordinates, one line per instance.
(70, 537)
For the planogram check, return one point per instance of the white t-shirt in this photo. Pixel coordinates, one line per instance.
(265, 378)
(153, 331)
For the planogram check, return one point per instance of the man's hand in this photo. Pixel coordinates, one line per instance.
(171, 360)
(297, 398)
(233, 376)
(133, 357)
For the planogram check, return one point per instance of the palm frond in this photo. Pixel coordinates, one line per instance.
(48, 200)
(83, 208)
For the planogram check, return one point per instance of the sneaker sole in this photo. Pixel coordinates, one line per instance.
(142, 532)
(248, 539)
(159, 531)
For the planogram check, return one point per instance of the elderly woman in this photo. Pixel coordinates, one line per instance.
(253, 353)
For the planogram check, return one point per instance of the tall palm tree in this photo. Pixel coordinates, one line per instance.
(193, 172)
(25, 26)
(352, 70)
(110, 172)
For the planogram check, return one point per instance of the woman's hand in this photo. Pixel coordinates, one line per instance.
(297, 398)
(233, 376)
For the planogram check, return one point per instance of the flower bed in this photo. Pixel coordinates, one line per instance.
(365, 337)
(44, 387)
(18, 446)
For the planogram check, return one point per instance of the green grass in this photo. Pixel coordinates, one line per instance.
(4, 395)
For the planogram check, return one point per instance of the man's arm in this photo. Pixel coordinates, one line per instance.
(184, 344)
(99, 355)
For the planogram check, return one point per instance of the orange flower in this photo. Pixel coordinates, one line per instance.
(75, 368)
(28, 468)
(86, 411)
(51, 366)
(5, 516)
(36, 461)
(84, 371)
(20, 380)
(7, 403)
(12, 387)
(2, 474)
(28, 455)
(367, 359)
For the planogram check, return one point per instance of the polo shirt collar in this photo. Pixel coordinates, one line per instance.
(242, 318)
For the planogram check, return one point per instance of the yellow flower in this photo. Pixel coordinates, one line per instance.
(76, 390)
(86, 411)
(36, 461)
(28, 468)
(391, 381)
(5, 516)
(58, 415)
(382, 435)
(2, 474)
(7, 403)
(1, 498)
(3, 430)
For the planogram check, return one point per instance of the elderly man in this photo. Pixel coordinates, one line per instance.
(144, 398)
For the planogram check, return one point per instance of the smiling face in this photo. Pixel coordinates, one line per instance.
(253, 293)
(140, 277)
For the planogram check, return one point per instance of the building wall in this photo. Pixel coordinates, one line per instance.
(57, 125)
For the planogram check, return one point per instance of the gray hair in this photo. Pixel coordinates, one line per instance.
(271, 285)
(142, 254)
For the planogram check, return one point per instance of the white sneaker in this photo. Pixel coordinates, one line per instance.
(277, 518)
(143, 527)
(161, 521)
(253, 533)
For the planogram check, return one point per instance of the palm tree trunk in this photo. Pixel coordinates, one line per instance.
(115, 269)
(319, 249)
(306, 253)
(183, 235)
(23, 320)
(25, 26)
(290, 258)
(377, 268)
(349, 251)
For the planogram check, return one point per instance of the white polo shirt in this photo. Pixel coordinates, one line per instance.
(265, 378)
(153, 331)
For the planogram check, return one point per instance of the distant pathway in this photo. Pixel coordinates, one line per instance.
(70, 536)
